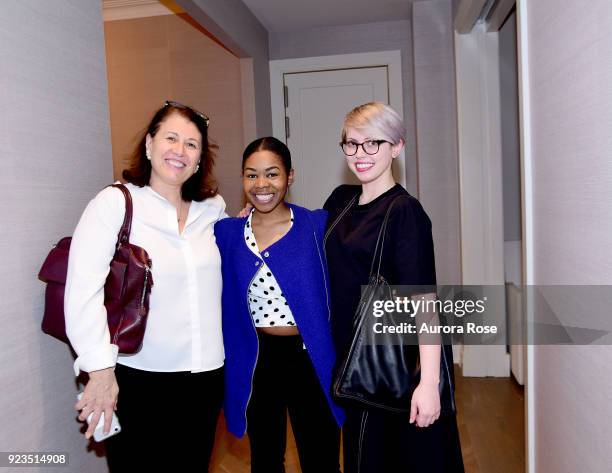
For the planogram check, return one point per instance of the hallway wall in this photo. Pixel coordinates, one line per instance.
(510, 141)
(169, 57)
(56, 149)
(436, 131)
(570, 56)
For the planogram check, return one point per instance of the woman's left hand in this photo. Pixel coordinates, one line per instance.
(245, 211)
(425, 405)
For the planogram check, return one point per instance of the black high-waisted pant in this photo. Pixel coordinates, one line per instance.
(168, 420)
(285, 380)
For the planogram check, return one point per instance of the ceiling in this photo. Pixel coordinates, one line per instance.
(281, 15)
(291, 15)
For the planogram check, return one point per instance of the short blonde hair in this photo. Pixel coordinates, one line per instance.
(377, 120)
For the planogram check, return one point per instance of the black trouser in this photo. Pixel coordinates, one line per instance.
(285, 380)
(168, 420)
(379, 442)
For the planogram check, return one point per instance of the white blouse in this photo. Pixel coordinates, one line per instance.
(184, 324)
(267, 303)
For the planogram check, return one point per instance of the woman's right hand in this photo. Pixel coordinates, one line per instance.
(100, 395)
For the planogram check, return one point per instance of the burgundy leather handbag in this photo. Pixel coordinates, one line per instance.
(126, 290)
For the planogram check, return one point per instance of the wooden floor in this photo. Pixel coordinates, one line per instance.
(491, 426)
(490, 415)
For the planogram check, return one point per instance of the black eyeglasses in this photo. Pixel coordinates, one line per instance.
(369, 147)
(170, 103)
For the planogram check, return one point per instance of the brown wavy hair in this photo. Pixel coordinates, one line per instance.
(200, 185)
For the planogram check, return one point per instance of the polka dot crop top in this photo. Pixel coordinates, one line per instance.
(267, 304)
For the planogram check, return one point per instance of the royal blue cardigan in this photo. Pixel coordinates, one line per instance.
(298, 264)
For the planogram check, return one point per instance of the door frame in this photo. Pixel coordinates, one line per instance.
(524, 83)
(526, 160)
(280, 67)
(480, 179)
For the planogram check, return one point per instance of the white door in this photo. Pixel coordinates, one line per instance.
(316, 103)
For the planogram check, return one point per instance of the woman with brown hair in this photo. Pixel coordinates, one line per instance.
(175, 382)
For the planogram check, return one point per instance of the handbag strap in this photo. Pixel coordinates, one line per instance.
(126, 226)
(381, 233)
(339, 217)
(381, 240)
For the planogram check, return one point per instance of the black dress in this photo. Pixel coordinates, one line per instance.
(375, 440)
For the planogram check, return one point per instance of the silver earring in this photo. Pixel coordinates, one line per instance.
(196, 169)
(149, 155)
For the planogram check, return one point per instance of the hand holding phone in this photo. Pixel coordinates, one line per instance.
(99, 434)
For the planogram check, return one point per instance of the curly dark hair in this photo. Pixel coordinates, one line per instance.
(200, 185)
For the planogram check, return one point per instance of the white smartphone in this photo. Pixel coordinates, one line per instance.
(99, 434)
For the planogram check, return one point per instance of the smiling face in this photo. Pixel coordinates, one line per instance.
(174, 151)
(371, 168)
(265, 180)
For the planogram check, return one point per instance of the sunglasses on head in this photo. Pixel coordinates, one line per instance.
(170, 103)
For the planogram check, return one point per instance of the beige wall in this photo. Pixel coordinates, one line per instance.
(56, 155)
(570, 58)
(154, 59)
(238, 29)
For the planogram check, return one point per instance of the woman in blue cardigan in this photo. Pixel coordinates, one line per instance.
(279, 352)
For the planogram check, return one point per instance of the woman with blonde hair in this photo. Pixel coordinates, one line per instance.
(425, 439)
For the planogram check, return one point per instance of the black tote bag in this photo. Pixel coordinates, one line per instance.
(382, 370)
